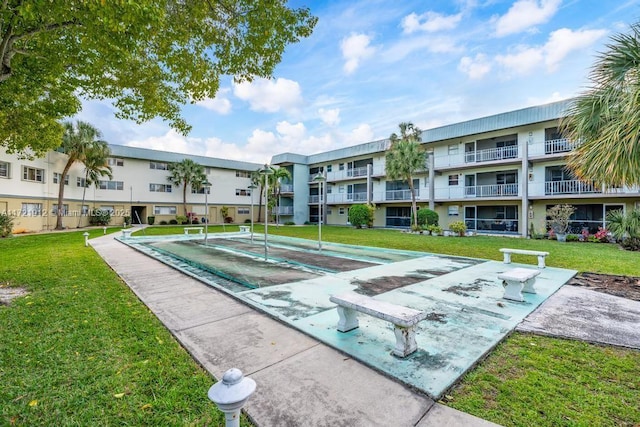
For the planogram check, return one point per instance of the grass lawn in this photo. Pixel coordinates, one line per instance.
(81, 349)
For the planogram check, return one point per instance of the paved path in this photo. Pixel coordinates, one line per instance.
(300, 381)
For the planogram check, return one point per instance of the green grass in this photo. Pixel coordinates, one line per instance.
(81, 349)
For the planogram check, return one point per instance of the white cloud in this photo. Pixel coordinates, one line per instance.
(270, 96)
(355, 48)
(476, 68)
(525, 14)
(360, 134)
(560, 44)
(330, 117)
(220, 104)
(431, 22)
(405, 47)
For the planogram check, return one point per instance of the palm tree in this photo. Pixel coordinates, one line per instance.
(279, 175)
(257, 180)
(77, 141)
(261, 180)
(95, 167)
(405, 157)
(606, 118)
(187, 173)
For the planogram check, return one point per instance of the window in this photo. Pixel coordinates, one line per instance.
(243, 211)
(340, 188)
(243, 174)
(453, 180)
(32, 174)
(328, 210)
(340, 211)
(84, 209)
(453, 210)
(329, 167)
(243, 192)
(110, 185)
(341, 166)
(57, 176)
(4, 170)
(114, 161)
(164, 210)
(31, 209)
(453, 149)
(65, 210)
(81, 182)
(201, 190)
(160, 188)
(161, 166)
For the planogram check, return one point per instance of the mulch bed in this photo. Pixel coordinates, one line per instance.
(620, 286)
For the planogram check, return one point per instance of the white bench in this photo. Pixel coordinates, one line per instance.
(126, 233)
(517, 281)
(199, 229)
(404, 319)
(507, 255)
(245, 228)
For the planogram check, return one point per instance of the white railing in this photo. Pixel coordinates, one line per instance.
(315, 199)
(400, 194)
(490, 154)
(570, 187)
(562, 145)
(353, 172)
(286, 188)
(284, 210)
(495, 190)
(357, 197)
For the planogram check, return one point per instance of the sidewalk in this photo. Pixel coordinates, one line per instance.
(300, 381)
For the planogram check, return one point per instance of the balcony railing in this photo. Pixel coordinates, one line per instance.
(283, 210)
(570, 187)
(495, 190)
(400, 195)
(357, 197)
(491, 154)
(562, 145)
(286, 188)
(315, 199)
(354, 172)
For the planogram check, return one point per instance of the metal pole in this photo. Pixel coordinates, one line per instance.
(320, 218)
(266, 214)
(252, 187)
(206, 214)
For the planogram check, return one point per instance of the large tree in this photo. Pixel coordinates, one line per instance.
(279, 175)
(78, 142)
(147, 56)
(187, 173)
(606, 118)
(405, 158)
(95, 167)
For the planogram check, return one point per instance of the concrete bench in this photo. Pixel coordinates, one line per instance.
(404, 319)
(199, 229)
(541, 255)
(126, 233)
(517, 281)
(245, 228)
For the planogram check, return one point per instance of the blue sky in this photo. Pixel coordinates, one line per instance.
(370, 65)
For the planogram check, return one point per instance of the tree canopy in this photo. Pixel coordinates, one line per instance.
(148, 56)
(187, 173)
(606, 118)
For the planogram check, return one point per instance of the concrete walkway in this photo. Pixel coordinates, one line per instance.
(300, 380)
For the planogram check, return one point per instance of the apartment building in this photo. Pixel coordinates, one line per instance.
(498, 174)
(139, 189)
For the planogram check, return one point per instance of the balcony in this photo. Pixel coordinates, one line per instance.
(356, 172)
(562, 145)
(495, 190)
(283, 210)
(491, 154)
(570, 187)
(400, 195)
(286, 188)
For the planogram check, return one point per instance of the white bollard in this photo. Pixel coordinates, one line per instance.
(231, 394)
(104, 230)
(86, 238)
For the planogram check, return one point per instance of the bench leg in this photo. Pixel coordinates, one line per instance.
(541, 261)
(507, 258)
(528, 286)
(405, 341)
(512, 290)
(348, 319)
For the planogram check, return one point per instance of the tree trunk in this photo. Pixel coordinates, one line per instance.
(61, 194)
(184, 199)
(84, 192)
(260, 203)
(414, 207)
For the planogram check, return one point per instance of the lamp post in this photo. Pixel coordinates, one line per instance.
(266, 171)
(251, 188)
(319, 178)
(207, 186)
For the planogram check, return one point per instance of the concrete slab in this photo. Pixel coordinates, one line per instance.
(327, 388)
(443, 416)
(583, 314)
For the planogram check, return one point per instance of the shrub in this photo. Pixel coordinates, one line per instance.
(572, 238)
(289, 223)
(559, 218)
(181, 219)
(228, 220)
(624, 226)
(127, 220)
(173, 221)
(458, 227)
(247, 221)
(195, 221)
(151, 220)
(359, 215)
(433, 228)
(163, 222)
(307, 223)
(631, 244)
(427, 217)
(99, 217)
(6, 224)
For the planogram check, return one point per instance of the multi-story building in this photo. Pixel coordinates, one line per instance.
(498, 174)
(139, 189)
